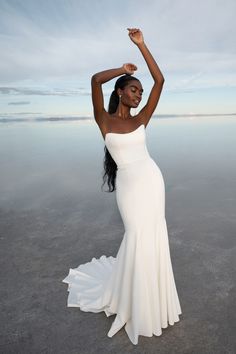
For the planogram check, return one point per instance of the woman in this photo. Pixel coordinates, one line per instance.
(137, 285)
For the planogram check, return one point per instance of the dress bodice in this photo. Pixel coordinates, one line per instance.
(126, 148)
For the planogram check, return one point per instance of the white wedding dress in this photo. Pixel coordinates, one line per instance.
(138, 284)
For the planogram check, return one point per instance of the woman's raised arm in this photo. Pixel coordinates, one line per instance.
(97, 95)
(137, 37)
(96, 84)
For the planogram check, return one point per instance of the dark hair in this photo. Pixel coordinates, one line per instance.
(109, 164)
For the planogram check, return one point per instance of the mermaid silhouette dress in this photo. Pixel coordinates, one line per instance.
(137, 285)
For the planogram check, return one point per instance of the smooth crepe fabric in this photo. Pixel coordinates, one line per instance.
(138, 284)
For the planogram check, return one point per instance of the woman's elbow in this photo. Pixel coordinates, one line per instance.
(160, 81)
(95, 78)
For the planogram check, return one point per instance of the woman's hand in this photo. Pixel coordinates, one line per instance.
(135, 35)
(129, 68)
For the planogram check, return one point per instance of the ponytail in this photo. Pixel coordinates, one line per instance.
(110, 167)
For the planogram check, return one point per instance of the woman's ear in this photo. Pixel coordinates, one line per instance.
(119, 91)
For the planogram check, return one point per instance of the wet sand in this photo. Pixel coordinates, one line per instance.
(54, 216)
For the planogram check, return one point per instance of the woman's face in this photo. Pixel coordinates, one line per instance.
(132, 94)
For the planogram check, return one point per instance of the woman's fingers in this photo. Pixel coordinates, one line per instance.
(130, 68)
(130, 64)
(132, 30)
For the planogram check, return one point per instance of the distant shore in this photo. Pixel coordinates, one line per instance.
(15, 119)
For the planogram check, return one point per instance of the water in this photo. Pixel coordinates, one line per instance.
(53, 216)
(43, 160)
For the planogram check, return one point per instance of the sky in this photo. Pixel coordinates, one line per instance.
(51, 48)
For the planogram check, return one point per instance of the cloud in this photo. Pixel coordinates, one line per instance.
(14, 91)
(53, 48)
(19, 103)
(60, 40)
(13, 114)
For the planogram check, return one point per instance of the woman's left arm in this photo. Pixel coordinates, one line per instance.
(137, 37)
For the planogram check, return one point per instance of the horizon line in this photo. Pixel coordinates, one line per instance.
(81, 118)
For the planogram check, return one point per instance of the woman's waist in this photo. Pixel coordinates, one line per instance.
(132, 163)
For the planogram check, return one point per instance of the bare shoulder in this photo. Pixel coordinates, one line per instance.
(110, 123)
(140, 119)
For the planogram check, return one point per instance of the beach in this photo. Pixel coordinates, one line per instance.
(54, 216)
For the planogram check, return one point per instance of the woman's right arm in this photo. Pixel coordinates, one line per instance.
(97, 95)
(100, 78)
